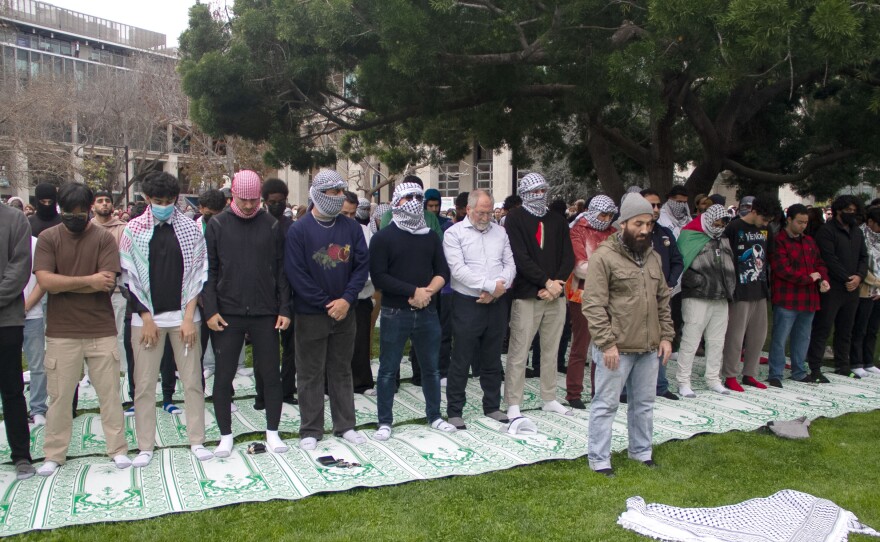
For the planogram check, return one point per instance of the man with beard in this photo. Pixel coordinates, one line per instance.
(77, 264)
(47, 211)
(542, 251)
(408, 266)
(627, 310)
(481, 268)
(246, 293)
(588, 231)
(842, 245)
(103, 211)
(326, 261)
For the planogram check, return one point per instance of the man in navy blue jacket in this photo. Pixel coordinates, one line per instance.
(326, 262)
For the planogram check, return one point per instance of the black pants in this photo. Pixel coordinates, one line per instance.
(864, 338)
(677, 319)
(838, 311)
(479, 333)
(227, 347)
(361, 373)
(166, 368)
(15, 413)
(288, 368)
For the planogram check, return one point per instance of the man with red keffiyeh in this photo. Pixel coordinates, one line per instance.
(246, 293)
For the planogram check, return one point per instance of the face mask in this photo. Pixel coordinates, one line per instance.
(850, 219)
(276, 209)
(410, 216)
(162, 212)
(74, 223)
(46, 212)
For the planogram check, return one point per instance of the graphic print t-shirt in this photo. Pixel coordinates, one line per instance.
(749, 244)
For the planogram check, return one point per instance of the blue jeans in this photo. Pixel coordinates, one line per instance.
(797, 324)
(34, 351)
(423, 328)
(639, 373)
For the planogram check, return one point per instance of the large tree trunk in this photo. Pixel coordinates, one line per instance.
(600, 152)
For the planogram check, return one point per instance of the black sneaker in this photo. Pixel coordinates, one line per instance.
(818, 378)
(775, 382)
(848, 373)
(650, 464)
(577, 403)
(607, 473)
(805, 378)
(290, 400)
(532, 373)
(669, 395)
(623, 399)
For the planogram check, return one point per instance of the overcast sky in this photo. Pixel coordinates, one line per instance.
(169, 17)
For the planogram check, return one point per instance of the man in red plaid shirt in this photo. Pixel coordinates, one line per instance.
(799, 274)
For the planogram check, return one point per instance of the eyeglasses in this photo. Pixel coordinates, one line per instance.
(656, 205)
(418, 197)
(70, 216)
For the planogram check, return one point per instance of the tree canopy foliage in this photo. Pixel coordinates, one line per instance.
(777, 91)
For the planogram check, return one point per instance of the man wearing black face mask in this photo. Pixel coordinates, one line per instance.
(47, 213)
(842, 246)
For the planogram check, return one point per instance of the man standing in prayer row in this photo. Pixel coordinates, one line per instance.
(326, 261)
(103, 211)
(246, 293)
(77, 264)
(628, 313)
(542, 251)
(481, 269)
(164, 262)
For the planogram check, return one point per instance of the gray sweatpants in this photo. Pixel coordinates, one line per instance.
(746, 330)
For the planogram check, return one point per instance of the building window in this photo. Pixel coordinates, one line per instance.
(449, 175)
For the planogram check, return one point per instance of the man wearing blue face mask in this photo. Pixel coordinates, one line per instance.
(164, 262)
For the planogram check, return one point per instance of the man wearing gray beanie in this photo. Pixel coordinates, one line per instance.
(629, 319)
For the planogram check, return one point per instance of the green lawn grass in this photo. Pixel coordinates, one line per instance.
(556, 500)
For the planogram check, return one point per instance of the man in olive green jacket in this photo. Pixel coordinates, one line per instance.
(631, 325)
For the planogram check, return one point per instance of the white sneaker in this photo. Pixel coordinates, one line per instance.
(207, 373)
(873, 370)
(861, 372)
(39, 419)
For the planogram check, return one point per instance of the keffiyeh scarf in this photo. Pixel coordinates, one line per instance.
(245, 185)
(363, 209)
(708, 218)
(534, 203)
(411, 215)
(678, 210)
(134, 254)
(599, 205)
(327, 179)
(376, 217)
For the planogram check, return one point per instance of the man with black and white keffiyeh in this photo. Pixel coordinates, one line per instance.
(675, 213)
(407, 264)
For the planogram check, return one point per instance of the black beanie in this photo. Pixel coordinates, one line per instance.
(46, 191)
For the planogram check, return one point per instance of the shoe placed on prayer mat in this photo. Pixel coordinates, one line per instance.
(172, 409)
(24, 469)
(383, 433)
(775, 382)
(290, 400)
(803, 379)
(531, 373)
(669, 395)
(607, 473)
(849, 374)
(861, 372)
(750, 381)
(732, 384)
(818, 378)
(577, 403)
(623, 399)
(129, 412)
(458, 423)
(442, 425)
(872, 370)
(650, 464)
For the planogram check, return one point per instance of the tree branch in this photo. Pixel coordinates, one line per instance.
(808, 168)
(629, 147)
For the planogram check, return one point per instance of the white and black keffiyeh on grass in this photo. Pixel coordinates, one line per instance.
(784, 516)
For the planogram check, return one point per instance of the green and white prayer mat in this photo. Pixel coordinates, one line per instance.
(90, 489)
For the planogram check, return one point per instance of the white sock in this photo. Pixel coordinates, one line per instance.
(686, 391)
(233, 407)
(383, 433)
(39, 419)
(123, 462)
(201, 453)
(370, 392)
(443, 382)
(555, 406)
(513, 412)
(871, 370)
(141, 460)
(47, 468)
(225, 447)
(861, 372)
(354, 437)
(308, 443)
(719, 388)
(442, 425)
(274, 442)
